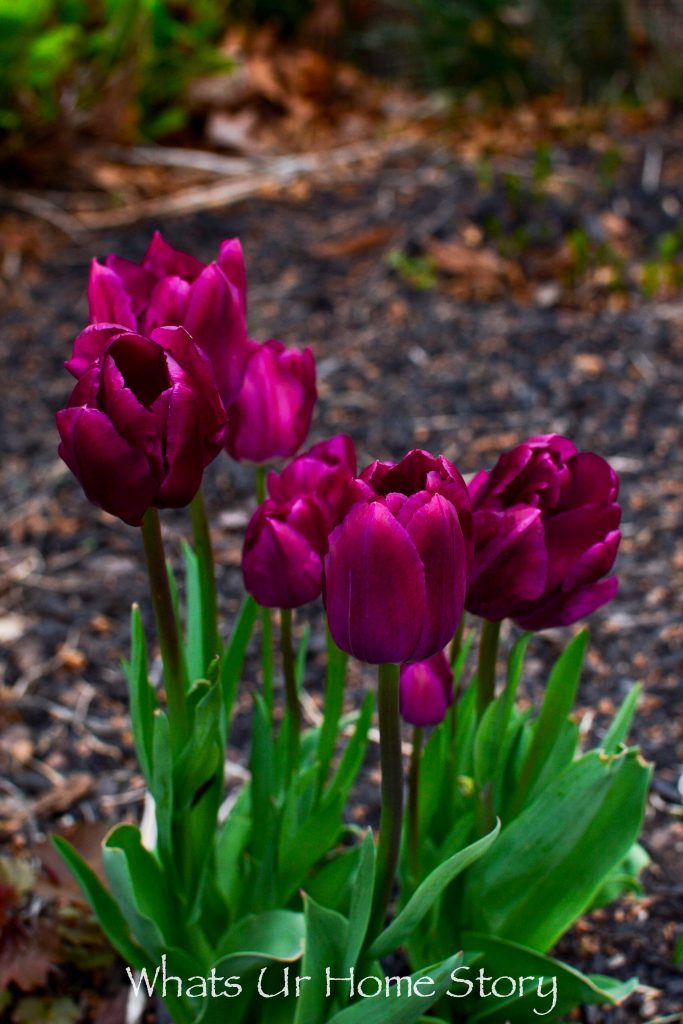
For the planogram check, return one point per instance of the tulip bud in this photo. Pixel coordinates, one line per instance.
(171, 287)
(546, 533)
(286, 539)
(143, 420)
(396, 569)
(426, 689)
(272, 414)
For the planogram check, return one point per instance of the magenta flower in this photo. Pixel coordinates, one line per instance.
(143, 420)
(426, 690)
(286, 539)
(272, 414)
(396, 569)
(169, 288)
(546, 533)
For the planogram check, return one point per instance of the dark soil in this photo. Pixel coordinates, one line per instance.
(398, 366)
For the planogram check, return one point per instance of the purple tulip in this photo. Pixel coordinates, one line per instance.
(143, 420)
(170, 287)
(396, 569)
(426, 690)
(286, 539)
(272, 414)
(283, 553)
(546, 532)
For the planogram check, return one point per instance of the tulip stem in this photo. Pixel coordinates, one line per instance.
(266, 621)
(391, 815)
(291, 692)
(167, 626)
(414, 803)
(486, 672)
(207, 573)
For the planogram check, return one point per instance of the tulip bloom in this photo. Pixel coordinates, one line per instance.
(396, 569)
(546, 532)
(143, 420)
(171, 287)
(426, 689)
(272, 414)
(286, 539)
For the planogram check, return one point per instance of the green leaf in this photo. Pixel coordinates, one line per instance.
(551, 861)
(361, 902)
(143, 702)
(334, 703)
(557, 704)
(230, 846)
(138, 884)
(625, 877)
(403, 1009)
(194, 632)
(678, 950)
(162, 788)
(234, 655)
(427, 893)
(619, 729)
(309, 844)
(326, 936)
(105, 907)
(301, 654)
(276, 935)
(261, 765)
(353, 755)
(505, 959)
(331, 885)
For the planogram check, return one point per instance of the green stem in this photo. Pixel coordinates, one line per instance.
(456, 642)
(169, 640)
(207, 571)
(291, 693)
(486, 672)
(391, 816)
(414, 804)
(266, 619)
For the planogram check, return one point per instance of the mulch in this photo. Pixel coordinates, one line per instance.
(467, 360)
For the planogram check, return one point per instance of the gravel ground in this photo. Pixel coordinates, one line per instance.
(398, 367)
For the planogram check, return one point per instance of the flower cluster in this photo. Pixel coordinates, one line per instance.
(167, 376)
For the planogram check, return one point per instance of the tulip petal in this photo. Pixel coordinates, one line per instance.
(137, 281)
(184, 454)
(592, 481)
(561, 609)
(374, 587)
(162, 260)
(511, 562)
(436, 532)
(215, 320)
(114, 475)
(426, 690)
(570, 534)
(167, 304)
(281, 569)
(231, 262)
(90, 344)
(108, 300)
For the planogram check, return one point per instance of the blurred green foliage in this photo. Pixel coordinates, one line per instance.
(507, 50)
(63, 59)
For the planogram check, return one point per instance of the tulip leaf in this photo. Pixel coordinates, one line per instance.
(197, 659)
(551, 861)
(403, 1008)
(105, 907)
(275, 935)
(623, 878)
(619, 729)
(353, 755)
(334, 703)
(162, 787)
(326, 938)
(308, 844)
(137, 882)
(143, 701)
(261, 778)
(233, 656)
(230, 846)
(427, 893)
(331, 885)
(506, 959)
(557, 704)
(361, 902)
